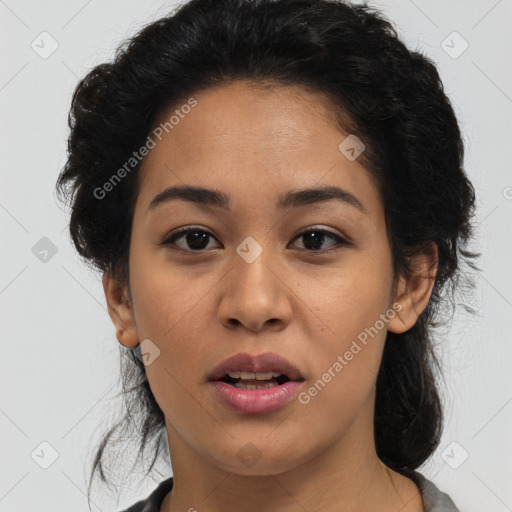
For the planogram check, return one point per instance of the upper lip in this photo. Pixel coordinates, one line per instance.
(266, 362)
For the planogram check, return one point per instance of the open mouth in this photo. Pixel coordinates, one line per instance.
(255, 384)
(249, 380)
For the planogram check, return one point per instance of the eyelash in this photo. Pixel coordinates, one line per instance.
(341, 242)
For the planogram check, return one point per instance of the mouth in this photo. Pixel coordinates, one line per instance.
(255, 384)
(265, 368)
(252, 380)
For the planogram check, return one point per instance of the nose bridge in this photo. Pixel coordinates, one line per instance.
(255, 295)
(252, 267)
(254, 280)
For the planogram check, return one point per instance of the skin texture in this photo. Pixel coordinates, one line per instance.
(199, 308)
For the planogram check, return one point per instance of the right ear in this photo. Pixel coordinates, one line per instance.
(120, 309)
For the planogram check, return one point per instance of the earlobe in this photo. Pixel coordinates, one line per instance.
(120, 309)
(406, 314)
(414, 292)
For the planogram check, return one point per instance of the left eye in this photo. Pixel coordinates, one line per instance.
(196, 239)
(315, 238)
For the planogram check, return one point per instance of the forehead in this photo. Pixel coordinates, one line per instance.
(245, 137)
(284, 118)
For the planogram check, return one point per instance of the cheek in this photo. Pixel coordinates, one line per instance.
(352, 304)
(349, 298)
(169, 299)
(171, 311)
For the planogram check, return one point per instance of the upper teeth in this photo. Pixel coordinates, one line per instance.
(254, 376)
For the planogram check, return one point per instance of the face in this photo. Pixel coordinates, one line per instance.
(309, 280)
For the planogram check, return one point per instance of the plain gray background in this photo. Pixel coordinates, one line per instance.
(59, 363)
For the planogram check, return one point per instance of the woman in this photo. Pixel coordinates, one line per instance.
(273, 192)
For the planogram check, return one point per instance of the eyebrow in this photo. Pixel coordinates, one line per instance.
(292, 199)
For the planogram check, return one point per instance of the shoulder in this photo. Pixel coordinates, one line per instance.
(154, 500)
(434, 500)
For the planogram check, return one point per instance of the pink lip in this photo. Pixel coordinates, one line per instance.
(256, 400)
(266, 362)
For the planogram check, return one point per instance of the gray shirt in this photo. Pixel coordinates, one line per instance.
(433, 499)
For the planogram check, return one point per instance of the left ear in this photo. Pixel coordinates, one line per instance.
(413, 292)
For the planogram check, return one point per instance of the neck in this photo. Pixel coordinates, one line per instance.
(344, 476)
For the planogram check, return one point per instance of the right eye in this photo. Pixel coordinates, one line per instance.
(196, 239)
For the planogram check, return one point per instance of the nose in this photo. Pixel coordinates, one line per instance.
(255, 295)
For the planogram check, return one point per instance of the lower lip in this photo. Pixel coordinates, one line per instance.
(256, 400)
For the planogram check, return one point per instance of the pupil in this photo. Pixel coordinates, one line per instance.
(315, 239)
(195, 239)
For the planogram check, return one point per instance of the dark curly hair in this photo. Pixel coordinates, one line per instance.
(388, 96)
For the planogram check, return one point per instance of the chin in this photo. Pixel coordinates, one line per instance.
(257, 459)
